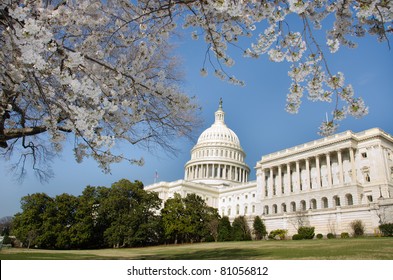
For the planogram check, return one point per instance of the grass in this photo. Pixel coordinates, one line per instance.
(333, 249)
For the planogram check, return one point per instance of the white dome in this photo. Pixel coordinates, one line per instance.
(219, 132)
(217, 157)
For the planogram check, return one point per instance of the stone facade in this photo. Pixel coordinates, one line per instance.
(327, 183)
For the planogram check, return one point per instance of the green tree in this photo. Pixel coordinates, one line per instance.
(131, 213)
(28, 225)
(174, 219)
(200, 218)
(88, 230)
(64, 220)
(259, 228)
(241, 230)
(189, 219)
(224, 229)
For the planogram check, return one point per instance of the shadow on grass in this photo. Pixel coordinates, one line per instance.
(48, 256)
(222, 254)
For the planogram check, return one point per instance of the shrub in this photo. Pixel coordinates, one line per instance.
(319, 235)
(280, 233)
(330, 235)
(306, 232)
(297, 237)
(357, 227)
(386, 229)
(344, 235)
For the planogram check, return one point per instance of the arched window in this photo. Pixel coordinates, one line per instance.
(283, 208)
(349, 199)
(274, 208)
(237, 209)
(245, 210)
(313, 204)
(303, 205)
(324, 201)
(266, 210)
(253, 208)
(293, 206)
(229, 211)
(336, 200)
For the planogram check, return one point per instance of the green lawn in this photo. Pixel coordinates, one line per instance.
(332, 249)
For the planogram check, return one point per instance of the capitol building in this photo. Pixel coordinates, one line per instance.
(327, 183)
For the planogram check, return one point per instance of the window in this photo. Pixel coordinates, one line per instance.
(283, 207)
(325, 202)
(245, 210)
(349, 199)
(364, 155)
(266, 210)
(293, 206)
(303, 205)
(336, 200)
(367, 177)
(274, 209)
(313, 204)
(253, 208)
(370, 198)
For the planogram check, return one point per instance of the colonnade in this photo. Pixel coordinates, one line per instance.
(274, 182)
(216, 171)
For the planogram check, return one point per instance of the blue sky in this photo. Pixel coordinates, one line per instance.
(255, 112)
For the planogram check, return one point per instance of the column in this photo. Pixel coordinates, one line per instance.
(279, 187)
(317, 163)
(329, 169)
(270, 192)
(263, 182)
(340, 165)
(308, 181)
(353, 167)
(289, 179)
(298, 177)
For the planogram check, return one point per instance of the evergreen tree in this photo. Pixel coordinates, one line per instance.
(224, 229)
(240, 229)
(259, 228)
